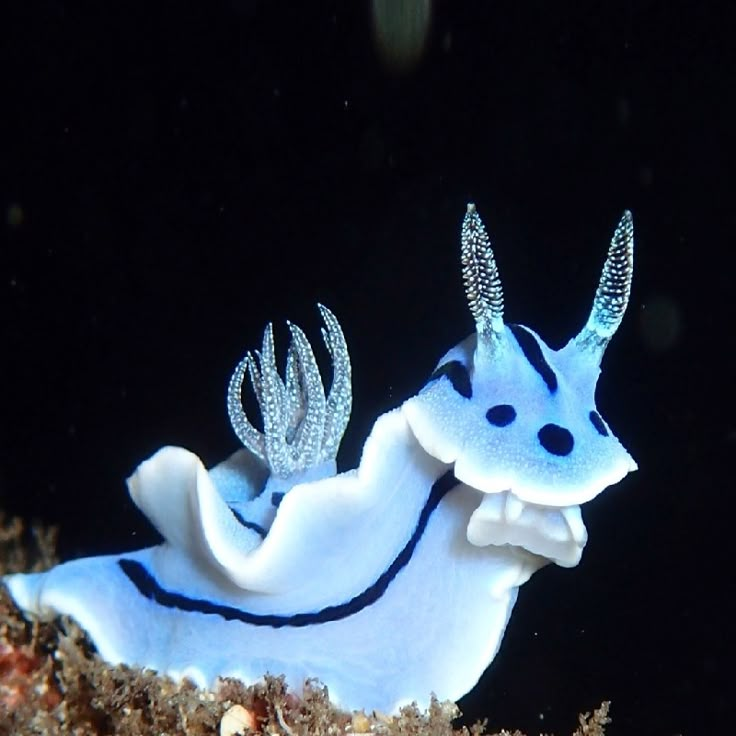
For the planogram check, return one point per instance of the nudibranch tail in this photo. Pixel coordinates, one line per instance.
(482, 282)
(614, 289)
(301, 427)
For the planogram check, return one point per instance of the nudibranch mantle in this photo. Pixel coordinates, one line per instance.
(388, 582)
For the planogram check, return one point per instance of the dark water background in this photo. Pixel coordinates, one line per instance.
(175, 175)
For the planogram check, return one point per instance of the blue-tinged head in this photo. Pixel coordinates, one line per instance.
(509, 412)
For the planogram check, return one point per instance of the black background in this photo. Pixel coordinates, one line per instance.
(175, 175)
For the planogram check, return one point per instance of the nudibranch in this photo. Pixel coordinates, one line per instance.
(388, 582)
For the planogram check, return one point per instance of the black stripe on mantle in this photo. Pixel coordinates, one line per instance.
(149, 587)
(533, 353)
(257, 528)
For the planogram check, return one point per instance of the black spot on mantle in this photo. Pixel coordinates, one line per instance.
(501, 415)
(556, 440)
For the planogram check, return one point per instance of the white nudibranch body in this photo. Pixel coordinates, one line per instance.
(388, 582)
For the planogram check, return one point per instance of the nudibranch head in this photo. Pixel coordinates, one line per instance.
(511, 414)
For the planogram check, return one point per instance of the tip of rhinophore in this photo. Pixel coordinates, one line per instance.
(471, 208)
(626, 225)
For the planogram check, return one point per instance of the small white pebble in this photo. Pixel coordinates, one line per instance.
(360, 723)
(383, 717)
(237, 720)
(449, 710)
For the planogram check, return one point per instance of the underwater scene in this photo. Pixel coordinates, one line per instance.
(364, 369)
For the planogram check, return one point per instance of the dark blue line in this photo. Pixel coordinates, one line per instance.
(249, 524)
(533, 353)
(149, 588)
